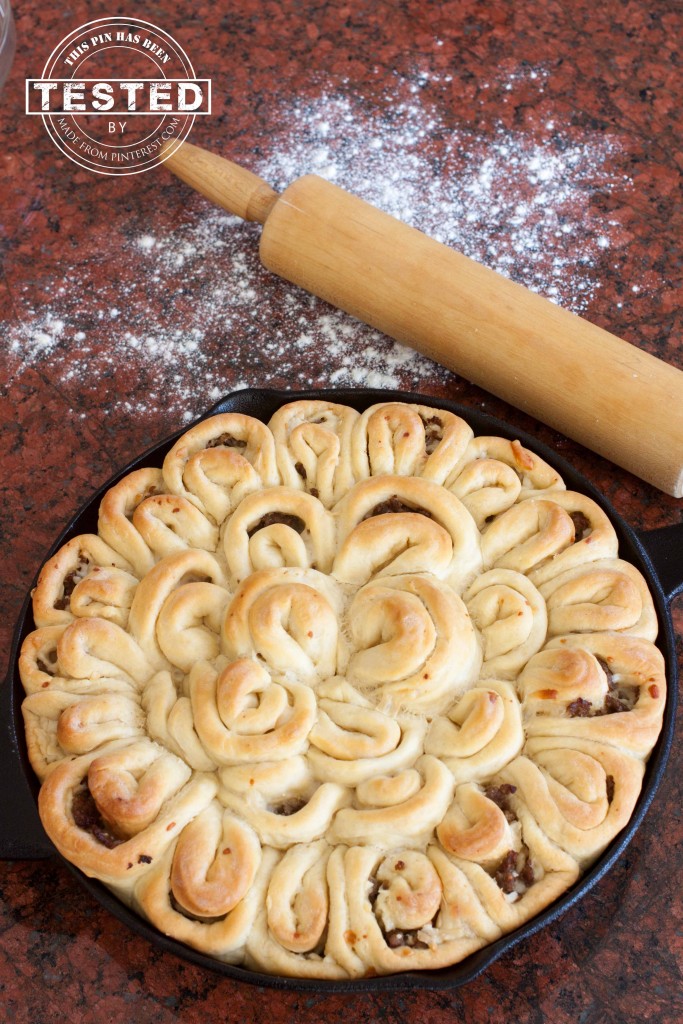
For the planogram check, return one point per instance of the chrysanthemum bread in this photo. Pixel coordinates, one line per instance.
(343, 694)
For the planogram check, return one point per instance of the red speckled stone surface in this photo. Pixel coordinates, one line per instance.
(609, 69)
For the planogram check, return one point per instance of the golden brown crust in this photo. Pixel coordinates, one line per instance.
(608, 594)
(72, 566)
(204, 890)
(115, 520)
(372, 542)
(59, 723)
(602, 686)
(171, 797)
(243, 443)
(341, 695)
(397, 439)
(534, 475)
(511, 618)
(313, 447)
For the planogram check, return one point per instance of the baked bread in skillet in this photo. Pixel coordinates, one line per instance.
(341, 695)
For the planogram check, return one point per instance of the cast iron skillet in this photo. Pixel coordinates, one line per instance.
(658, 554)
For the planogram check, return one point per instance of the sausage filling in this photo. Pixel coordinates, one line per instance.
(88, 818)
(433, 433)
(69, 585)
(395, 504)
(618, 698)
(287, 807)
(515, 873)
(226, 441)
(271, 518)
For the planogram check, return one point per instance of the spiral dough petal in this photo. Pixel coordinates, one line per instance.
(414, 642)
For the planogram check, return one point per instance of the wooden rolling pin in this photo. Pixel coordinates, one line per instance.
(611, 396)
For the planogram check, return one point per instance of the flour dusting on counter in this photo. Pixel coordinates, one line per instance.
(515, 204)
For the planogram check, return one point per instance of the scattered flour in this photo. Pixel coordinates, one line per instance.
(516, 205)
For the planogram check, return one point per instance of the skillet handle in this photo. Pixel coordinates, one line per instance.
(664, 546)
(22, 837)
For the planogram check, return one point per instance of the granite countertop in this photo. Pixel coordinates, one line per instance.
(541, 138)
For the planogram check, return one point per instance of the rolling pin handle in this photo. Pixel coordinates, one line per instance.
(227, 184)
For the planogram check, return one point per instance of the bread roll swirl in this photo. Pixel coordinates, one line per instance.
(214, 863)
(59, 723)
(433, 885)
(511, 618)
(529, 535)
(115, 520)
(170, 722)
(430, 531)
(289, 620)
(203, 889)
(169, 523)
(173, 571)
(116, 844)
(535, 476)
(581, 793)
(408, 440)
(530, 875)
(105, 593)
(293, 928)
(408, 804)
(233, 436)
(486, 487)
(244, 714)
(73, 563)
(352, 741)
(278, 527)
(479, 733)
(414, 643)
(608, 594)
(282, 800)
(604, 687)
(189, 623)
(313, 444)
(475, 828)
(39, 666)
(95, 648)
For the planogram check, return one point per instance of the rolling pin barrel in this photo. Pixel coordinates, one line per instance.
(612, 397)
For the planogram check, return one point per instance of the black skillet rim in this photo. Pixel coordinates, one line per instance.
(261, 403)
